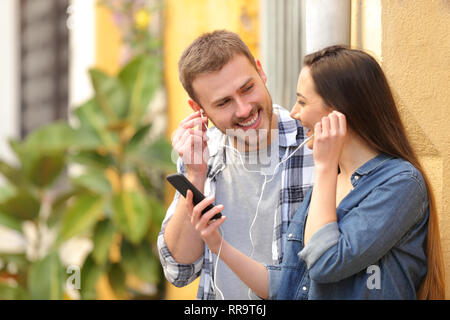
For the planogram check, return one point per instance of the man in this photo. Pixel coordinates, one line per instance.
(227, 86)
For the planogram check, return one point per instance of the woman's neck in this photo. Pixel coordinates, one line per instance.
(354, 154)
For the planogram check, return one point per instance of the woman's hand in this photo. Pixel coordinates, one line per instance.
(251, 272)
(208, 230)
(329, 138)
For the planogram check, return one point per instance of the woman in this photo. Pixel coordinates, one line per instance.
(369, 228)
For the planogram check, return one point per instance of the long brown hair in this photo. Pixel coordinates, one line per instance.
(352, 82)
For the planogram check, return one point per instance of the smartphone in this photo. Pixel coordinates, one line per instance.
(182, 184)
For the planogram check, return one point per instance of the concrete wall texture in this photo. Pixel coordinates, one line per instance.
(416, 59)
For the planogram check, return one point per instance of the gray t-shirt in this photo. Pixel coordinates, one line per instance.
(239, 191)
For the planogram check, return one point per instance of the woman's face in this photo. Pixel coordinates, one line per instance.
(310, 107)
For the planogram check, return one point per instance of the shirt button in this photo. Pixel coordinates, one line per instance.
(356, 177)
(290, 235)
(305, 288)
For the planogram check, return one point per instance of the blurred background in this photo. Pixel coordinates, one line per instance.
(89, 97)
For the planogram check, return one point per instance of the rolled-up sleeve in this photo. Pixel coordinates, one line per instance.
(274, 280)
(321, 241)
(176, 273)
(368, 231)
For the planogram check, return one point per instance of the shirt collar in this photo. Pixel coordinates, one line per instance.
(372, 164)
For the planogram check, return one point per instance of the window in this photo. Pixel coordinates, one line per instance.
(44, 45)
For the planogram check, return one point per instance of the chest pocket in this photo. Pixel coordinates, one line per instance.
(294, 244)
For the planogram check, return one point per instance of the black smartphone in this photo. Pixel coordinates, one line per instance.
(182, 184)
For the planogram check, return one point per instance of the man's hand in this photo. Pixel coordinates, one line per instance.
(191, 145)
(181, 238)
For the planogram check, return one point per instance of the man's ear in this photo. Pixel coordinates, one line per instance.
(261, 71)
(194, 105)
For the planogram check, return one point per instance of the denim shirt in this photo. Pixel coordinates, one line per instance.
(375, 250)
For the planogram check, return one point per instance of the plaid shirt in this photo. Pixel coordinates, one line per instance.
(297, 179)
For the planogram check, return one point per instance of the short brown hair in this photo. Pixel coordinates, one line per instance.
(209, 53)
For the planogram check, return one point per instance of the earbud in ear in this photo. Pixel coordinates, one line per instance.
(203, 116)
(202, 113)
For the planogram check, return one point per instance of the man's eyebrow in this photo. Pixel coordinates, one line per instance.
(246, 83)
(300, 95)
(219, 100)
(241, 87)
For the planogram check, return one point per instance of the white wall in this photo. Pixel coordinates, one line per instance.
(9, 76)
(81, 23)
(326, 22)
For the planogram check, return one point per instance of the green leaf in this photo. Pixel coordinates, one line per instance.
(141, 261)
(6, 192)
(110, 95)
(13, 175)
(141, 77)
(158, 213)
(18, 149)
(131, 214)
(39, 166)
(22, 205)
(81, 215)
(117, 279)
(93, 180)
(10, 222)
(137, 140)
(94, 122)
(46, 278)
(92, 159)
(59, 206)
(58, 137)
(157, 155)
(12, 293)
(90, 274)
(103, 236)
(43, 170)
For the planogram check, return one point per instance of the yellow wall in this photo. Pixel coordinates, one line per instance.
(416, 59)
(185, 21)
(411, 39)
(107, 53)
(108, 43)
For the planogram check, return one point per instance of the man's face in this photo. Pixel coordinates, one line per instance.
(236, 98)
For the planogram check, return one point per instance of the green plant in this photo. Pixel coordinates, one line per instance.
(115, 198)
(137, 21)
